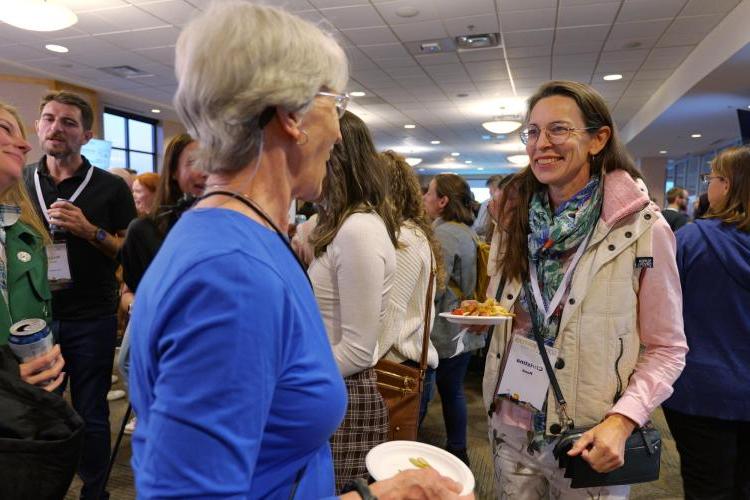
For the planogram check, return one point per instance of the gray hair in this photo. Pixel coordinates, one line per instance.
(238, 59)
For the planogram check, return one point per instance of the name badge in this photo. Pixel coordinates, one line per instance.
(524, 380)
(58, 268)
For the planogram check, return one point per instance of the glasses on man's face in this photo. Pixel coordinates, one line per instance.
(342, 101)
(556, 134)
(707, 178)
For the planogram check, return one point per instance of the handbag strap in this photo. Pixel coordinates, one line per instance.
(427, 315)
(562, 406)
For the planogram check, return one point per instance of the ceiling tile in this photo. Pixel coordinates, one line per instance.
(639, 29)
(164, 55)
(384, 51)
(583, 15)
(533, 72)
(522, 20)
(670, 53)
(678, 39)
(582, 34)
(480, 71)
(142, 39)
(426, 8)
(529, 62)
(653, 74)
(360, 16)
(404, 71)
(541, 50)
(575, 47)
(695, 24)
(471, 25)
(130, 18)
(574, 75)
(528, 38)
(630, 43)
(174, 12)
(292, 5)
(699, 7)
(508, 5)
(322, 4)
(644, 10)
(424, 30)
(625, 55)
(366, 36)
(78, 6)
(448, 9)
(431, 59)
(448, 73)
(476, 55)
(618, 66)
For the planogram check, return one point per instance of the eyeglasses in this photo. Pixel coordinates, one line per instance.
(707, 178)
(342, 101)
(556, 134)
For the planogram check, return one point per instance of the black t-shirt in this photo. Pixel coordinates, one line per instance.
(138, 250)
(107, 203)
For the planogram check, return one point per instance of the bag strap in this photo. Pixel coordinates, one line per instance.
(427, 315)
(562, 406)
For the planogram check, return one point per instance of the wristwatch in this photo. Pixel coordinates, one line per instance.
(100, 234)
(360, 486)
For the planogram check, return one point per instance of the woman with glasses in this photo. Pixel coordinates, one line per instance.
(354, 244)
(709, 412)
(587, 264)
(232, 377)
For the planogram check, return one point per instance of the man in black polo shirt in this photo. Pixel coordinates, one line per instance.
(88, 229)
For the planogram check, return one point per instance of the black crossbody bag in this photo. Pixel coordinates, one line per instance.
(642, 448)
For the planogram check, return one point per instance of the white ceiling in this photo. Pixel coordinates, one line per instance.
(445, 95)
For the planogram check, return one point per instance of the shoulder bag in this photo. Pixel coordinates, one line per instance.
(642, 448)
(401, 385)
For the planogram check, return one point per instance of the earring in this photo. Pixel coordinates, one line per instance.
(306, 138)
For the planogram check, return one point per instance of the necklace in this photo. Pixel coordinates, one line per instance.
(252, 205)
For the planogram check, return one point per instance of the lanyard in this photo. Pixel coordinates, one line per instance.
(548, 311)
(40, 197)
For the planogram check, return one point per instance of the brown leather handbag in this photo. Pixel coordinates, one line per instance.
(401, 385)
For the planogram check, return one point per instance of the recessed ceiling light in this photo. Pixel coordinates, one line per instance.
(480, 168)
(421, 170)
(696, 136)
(468, 162)
(357, 93)
(156, 110)
(455, 153)
(612, 77)
(410, 125)
(39, 15)
(413, 162)
(663, 152)
(438, 142)
(502, 126)
(520, 160)
(56, 48)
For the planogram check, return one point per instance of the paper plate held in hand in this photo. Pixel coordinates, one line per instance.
(388, 459)
(474, 320)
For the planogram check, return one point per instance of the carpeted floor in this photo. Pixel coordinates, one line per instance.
(668, 487)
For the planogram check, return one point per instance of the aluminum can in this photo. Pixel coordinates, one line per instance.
(30, 338)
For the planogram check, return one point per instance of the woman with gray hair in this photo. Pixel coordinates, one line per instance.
(233, 380)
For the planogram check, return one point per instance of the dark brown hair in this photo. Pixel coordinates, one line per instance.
(458, 208)
(71, 99)
(674, 193)
(612, 157)
(356, 182)
(168, 192)
(408, 205)
(734, 165)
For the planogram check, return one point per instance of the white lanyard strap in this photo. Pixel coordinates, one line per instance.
(40, 197)
(563, 285)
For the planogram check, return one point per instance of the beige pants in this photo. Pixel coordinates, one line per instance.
(520, 475)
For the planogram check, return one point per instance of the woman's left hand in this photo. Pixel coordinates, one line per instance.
(44, 371)
(603, 446)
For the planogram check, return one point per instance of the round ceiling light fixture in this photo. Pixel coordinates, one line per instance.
(696, 136)
(413, 162)
(56, 48)
(502, 126)
(519, 160)
(37, 15)
(410, 125)
(438, 142)
(613, 77)
(357, 93)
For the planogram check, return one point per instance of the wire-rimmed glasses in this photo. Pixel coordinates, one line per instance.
(556, 133)
(342, 101)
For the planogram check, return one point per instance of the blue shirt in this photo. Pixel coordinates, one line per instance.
(232, 376)
(714, 263)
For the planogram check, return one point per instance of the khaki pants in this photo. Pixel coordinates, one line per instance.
(520, 475)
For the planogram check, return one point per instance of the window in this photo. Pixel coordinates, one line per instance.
(133, 140)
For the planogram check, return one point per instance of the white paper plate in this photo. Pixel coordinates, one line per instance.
(388, 459)
(475, 320)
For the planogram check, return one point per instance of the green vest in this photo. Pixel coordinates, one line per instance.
(28, 289)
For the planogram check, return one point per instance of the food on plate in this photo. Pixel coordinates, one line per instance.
(489, 307)
(419, 462)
